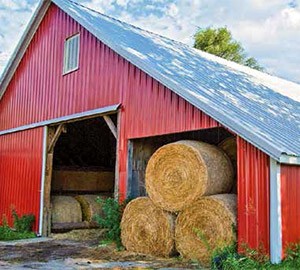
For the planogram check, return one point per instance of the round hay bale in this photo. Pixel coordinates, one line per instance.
(147, 229)
(179, 173)
(229, 146)
(89, 206)
(208, 224)
(65, 209)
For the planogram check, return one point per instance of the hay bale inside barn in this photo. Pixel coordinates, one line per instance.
(179, 173)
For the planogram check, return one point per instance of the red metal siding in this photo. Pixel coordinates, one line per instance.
(38, 91)
(253, 197)
(290, 204)
(20, 171)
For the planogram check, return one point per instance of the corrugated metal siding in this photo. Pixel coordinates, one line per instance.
(39, 92)
(253, 197)
(290, 204)
(261, 108)
(20, 173)
(150, 109)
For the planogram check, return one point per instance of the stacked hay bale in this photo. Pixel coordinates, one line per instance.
(147, 229)
(89, 206)
(74, 212)
(65, 209)
(183, 179)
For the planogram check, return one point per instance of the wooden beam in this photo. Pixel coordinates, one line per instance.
(117, 174)
(61, 227)
(59, 130)
(46, 229)
(111, 125)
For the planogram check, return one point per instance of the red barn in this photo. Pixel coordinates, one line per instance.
(121, 92)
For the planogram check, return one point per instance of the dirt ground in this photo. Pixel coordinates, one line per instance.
(66, 251)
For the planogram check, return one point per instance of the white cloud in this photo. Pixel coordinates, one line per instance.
(269, 30)
(122, 2)
(100, 5)
(13, 4)
(172, 10)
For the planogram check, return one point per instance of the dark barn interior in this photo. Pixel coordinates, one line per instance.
(84, 162)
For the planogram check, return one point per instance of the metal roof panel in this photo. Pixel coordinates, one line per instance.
(262, 109)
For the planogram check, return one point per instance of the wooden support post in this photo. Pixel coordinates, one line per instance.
(117, 175)
(61, 128)
(47, 186)
(53, 135)
(111, 125)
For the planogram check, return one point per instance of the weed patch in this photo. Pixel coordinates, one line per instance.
(111, 219)
(229, 259)
(22, 228)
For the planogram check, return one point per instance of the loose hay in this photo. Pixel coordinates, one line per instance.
(89, 206)
(65, 209)
(179, 173)
(230, 148)
(147, 229)
(208, 224)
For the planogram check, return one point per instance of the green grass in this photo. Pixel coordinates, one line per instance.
(22, 227)
(228, 259)
(8, 234)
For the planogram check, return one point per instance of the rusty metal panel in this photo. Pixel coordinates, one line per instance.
(20, 173)
(253, 198)
(290, 204)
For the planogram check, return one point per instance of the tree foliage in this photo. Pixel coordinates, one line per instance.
(219, 41)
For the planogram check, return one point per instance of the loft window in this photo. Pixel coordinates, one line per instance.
(71, 54)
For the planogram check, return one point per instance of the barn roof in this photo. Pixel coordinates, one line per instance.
(262, 109)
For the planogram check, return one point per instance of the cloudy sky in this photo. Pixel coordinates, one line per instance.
(268, 29)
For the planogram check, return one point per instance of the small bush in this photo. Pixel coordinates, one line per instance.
(111, 219)
(22, 227)
(23, 223)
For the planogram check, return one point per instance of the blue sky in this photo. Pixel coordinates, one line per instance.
(268, 30)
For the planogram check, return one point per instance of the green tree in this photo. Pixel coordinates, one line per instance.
(219, 41)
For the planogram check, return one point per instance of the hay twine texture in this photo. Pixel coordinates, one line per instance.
(229, 146)
(208, 224)
(147, 229)
(65, 209)
(179, 173)
(89, 206)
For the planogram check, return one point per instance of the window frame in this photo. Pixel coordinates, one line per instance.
(67, 55)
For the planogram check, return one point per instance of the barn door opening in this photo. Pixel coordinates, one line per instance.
(140, 150)
(81, 165)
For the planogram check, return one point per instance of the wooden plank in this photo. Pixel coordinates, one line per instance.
(111, 125)
(97, 181)
(116, 191)
(60, 227)
(54, 139)
(47, 187)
